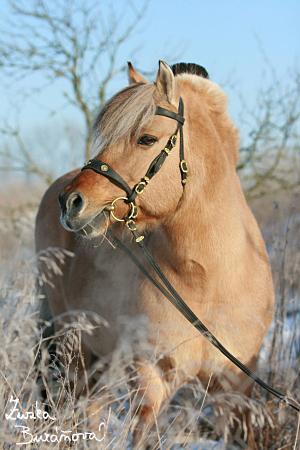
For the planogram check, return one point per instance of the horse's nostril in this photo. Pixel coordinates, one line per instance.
(75, 202)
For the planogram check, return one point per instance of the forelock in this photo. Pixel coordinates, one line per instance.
(124, 115)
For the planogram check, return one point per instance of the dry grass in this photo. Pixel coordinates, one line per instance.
(195, 418)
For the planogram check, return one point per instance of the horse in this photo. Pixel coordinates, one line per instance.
(201, 232)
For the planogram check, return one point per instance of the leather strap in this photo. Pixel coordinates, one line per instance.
(179, 117)
(166, 288)
(182, 163)
(152, 170)
(172, 115)
(104, 169)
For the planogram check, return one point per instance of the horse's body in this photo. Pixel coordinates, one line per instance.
(204, 237)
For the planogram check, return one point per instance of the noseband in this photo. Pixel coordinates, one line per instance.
(102, 168)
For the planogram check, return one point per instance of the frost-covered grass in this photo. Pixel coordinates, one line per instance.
(195, 419)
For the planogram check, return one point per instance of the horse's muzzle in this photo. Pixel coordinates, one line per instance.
(72, 206)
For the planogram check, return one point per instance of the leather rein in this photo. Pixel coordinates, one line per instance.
(161, 282)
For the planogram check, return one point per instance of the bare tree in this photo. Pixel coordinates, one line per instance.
(72, 40)
(78, 42)
(23, 160)
(33, 154)
(270, 160)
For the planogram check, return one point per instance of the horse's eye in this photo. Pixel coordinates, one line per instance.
(147, 140)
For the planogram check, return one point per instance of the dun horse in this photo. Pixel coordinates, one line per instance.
(202, 234)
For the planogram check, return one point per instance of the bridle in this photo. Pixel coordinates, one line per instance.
(104, 169)
(163, 284)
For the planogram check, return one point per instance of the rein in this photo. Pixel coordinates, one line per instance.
(163, 284)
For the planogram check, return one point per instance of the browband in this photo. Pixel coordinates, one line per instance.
(172, 115)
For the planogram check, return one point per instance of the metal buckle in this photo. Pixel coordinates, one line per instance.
(173, 140)
(184, 166)
(132, 210)
(131, 225)
(172, 143)
(139, 189)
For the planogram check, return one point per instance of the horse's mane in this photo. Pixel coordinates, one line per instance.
(127, 112)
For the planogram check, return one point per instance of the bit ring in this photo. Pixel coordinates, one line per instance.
(131, 213)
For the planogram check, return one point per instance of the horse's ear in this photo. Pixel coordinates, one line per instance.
(134, 76)
(165, 81)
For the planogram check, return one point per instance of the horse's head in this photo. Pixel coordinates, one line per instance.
(129, 134)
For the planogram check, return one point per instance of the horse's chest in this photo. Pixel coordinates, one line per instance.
(102, 281)
(108, 284)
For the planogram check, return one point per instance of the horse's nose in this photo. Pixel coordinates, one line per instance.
(71, 203)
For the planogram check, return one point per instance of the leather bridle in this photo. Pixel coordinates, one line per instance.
(162, 283)
(104, 169)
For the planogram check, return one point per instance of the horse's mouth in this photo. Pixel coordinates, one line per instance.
(96, 226)
(91, 228)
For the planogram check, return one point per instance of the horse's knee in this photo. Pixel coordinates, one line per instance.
(152, 386)
(153, 390)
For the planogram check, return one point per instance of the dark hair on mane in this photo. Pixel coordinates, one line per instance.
(191, 68)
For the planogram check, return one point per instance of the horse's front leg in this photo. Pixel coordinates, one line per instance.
(155, 385)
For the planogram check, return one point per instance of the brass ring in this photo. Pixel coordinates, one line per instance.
(130, 205)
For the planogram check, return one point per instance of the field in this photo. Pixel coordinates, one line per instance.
(195, 419)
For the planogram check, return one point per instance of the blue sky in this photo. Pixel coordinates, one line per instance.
(222, 35)
(227, 37)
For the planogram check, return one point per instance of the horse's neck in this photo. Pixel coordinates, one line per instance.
(207, 232)
(203, 233)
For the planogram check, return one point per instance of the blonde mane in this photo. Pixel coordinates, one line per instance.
(210, 92)
(214, 103)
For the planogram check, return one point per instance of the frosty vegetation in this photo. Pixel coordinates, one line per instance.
(195, 418)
